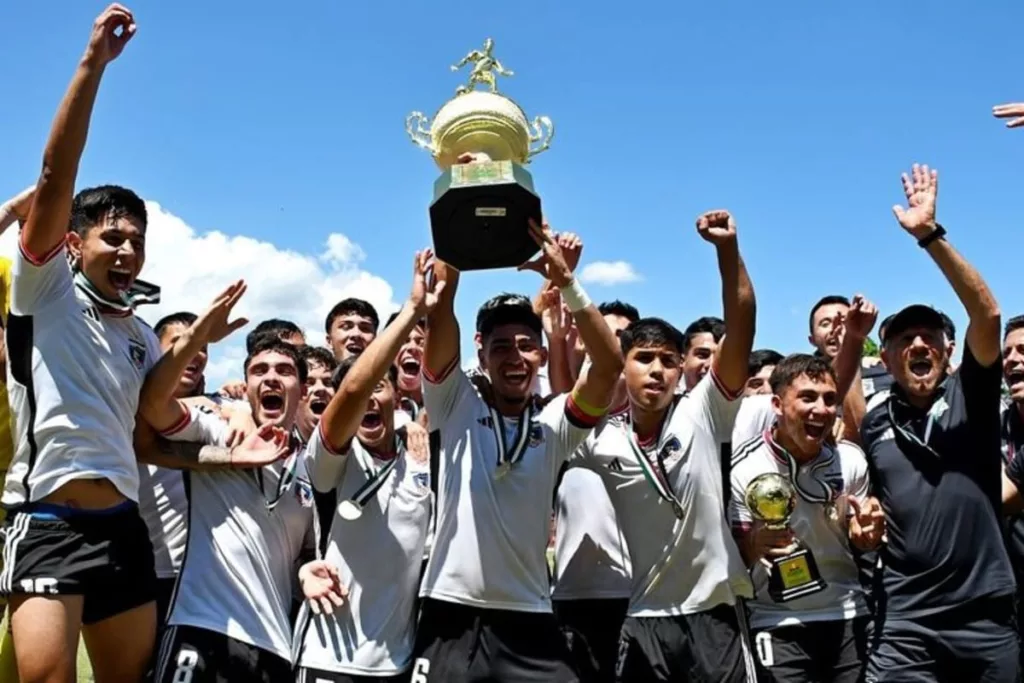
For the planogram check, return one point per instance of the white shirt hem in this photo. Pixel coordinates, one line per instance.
(541, 608)
(285, 653)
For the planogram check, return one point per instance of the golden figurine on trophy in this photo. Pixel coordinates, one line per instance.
(482, 203)
(771, 498)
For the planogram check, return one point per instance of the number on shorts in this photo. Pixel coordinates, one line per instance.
(420, 669)
(187, 661)
(42, 585)
(763, 643)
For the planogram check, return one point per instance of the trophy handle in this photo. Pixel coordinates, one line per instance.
(542, 129)
(420, 132)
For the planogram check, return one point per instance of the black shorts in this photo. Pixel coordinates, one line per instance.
(195, 655)
(164, 595)
(705, 646)
(104, 556)
(975, 642)
(826, 651)
(308, 675)
(456, 643)
(592, 629)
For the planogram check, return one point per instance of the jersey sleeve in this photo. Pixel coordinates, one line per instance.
(198, 426)
(568, 424)
(857, 482)
(754, 415)
(446, 394)
(713, 407)
(739, 514)
(325, 466)
(37, 280)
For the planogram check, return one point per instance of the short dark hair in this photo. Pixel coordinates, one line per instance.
(353, 306)
(275, 327)
(93, 204)
(708, 324)
(651, 332)
(267, 343)
(883, 326)
(185, 318)
(318, 355)
(1014, 323)
(422, 322)
(794, 365)
(507, 309)
(948, 327)
(760, 359)
(346, 365)
(825, 301)
(619, 308)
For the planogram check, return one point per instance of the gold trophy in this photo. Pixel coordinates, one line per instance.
(480, 212)
(772, 499)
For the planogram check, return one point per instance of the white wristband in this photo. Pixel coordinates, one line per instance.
(574, 296)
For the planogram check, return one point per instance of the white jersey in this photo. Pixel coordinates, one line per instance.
(591, 558)
(682, 563)
(379, 557)
(246, 533)
(164, 508)
(492, 531)
(755, 415)
(73, 377)
(838, 470)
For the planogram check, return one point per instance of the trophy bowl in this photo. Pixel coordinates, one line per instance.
(480, 212)
(771, 498)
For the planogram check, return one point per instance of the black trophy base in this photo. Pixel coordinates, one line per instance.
(794, 576)
(479, 218)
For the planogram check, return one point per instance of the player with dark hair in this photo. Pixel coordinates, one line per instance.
(350, 326)
(700, 343)
(285, 330)
(759, 369)
(486, 609)
(409, 364)
(320, 367)
(826, 314)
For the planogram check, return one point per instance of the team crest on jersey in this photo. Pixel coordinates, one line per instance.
(137, 352)
(536, 435)
(304, 492)
(422, 478)
(671, 451)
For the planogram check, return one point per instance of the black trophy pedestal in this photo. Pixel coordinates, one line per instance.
(794, 576)
(479, 218)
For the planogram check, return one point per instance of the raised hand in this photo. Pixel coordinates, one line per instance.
(213, 325)
(572, 248)
(867, 524)
(717, 227)
(921, 188)
(321, 586)
(860, 319)
(770, 543)
(110, 33)
(555, 316)
(426, 290)
(417, 442)
(265, 446)
(551, 263)
(1014, 112)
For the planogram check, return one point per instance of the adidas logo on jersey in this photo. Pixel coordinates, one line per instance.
(615, 465)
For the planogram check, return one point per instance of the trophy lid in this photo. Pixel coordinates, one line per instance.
(771, 498)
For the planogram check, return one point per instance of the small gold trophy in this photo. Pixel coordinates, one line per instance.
(771, 498)
(480, 211)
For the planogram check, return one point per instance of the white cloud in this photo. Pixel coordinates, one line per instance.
(192, 268)
(609, 273)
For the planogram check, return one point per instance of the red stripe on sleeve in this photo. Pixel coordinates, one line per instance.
(184, 421)
(726, 391)
(578, 417)
(327, 444)
(39, 261)
(443, 375)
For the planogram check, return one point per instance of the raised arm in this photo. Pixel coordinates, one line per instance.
(738, 303)
(16, 209)
(157, 403)
(265, 446)
(857, 325)
(593, 391)
(341, 419)
(1014, 112)
(983, 332)
(47, 222)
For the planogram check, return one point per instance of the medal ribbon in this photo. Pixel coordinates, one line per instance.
(284, 482)
(654, 472)
(507, 459)
(139, 293)
(909, 434)
(828, 493)
(375, 478)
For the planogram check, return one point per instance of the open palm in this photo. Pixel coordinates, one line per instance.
(213, 324)
(921, 188)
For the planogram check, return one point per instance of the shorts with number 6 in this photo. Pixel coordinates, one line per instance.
(835, 651)
(713, 645)
(457, 644)
(103, 555)
(196, 655)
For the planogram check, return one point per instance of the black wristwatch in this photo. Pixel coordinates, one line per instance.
(937, 234)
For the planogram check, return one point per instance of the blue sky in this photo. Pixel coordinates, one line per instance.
(286, 125)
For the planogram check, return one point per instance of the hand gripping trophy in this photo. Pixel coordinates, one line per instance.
(480, 211)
